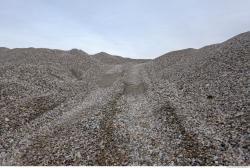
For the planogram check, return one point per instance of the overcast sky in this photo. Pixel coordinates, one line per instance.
(130, 28)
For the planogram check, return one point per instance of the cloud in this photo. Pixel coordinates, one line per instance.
(131, 28)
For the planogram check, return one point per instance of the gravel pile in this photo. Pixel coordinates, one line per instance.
(188, 107)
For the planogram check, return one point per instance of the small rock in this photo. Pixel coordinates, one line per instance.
(7, 120)
(239, 114)
(78, 155)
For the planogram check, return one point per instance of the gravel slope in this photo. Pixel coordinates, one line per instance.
(188, 107)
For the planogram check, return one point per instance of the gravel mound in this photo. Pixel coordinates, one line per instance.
(113, 59)
(187, 107)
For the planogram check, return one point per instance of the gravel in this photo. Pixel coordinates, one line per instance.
(187, 107)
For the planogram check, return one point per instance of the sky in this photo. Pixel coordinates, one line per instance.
(130, 28)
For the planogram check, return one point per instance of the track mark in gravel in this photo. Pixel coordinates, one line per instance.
(113, 145)
(107, 80)
(133, 82)
(110, 152)
(32, 109)
(190, 150)
(135, 89)
(136, 120)
(139, 123)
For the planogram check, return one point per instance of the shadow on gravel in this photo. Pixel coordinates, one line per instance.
(111, 152)
(30, 110)
(190, 151)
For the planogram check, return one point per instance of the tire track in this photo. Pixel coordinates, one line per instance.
(111, 152)
(189, 151)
